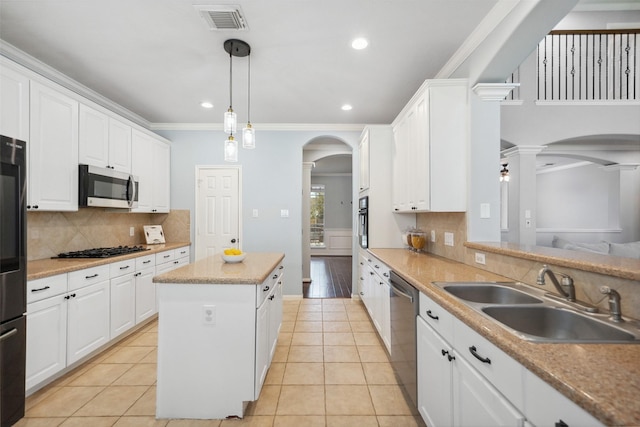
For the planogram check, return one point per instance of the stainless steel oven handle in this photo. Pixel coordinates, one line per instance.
(400, 293)
(8, 334)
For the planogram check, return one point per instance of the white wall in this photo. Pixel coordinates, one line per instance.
(338, 205)
(271, 181)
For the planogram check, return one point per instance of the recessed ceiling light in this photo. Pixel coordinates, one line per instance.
(359, 43)
(206, 104)
(346, 107)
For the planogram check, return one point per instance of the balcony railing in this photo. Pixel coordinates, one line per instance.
(589, 65)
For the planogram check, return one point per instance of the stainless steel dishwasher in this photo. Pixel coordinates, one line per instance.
(404, 309)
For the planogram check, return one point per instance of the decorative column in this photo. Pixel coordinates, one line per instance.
(483, 210)
(522, 193)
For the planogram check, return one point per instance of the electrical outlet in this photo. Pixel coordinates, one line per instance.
(480, 258)
(132, 231)
(448, 239)
(433, 236)
(209, 314)
(255, 213)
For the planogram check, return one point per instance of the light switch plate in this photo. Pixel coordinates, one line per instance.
(485, 210)
(284, 213)
(132, 231)
(255, 213)
(209, 314)
(480, 258)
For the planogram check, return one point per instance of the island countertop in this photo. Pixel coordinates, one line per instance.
(253, 270)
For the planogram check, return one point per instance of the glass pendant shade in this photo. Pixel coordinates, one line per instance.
(248, 137)
(230, 121)
(231, 150)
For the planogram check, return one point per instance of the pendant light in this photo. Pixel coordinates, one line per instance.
(239, 48)
(249, 133)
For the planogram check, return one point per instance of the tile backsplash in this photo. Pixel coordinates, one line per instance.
(49, 233)
(524, 270)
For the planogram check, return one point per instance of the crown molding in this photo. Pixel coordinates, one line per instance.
(321, 127)
(40, 68)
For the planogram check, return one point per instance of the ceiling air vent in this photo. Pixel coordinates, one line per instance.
(225, 17)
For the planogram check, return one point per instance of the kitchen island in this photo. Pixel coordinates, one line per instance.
(217, 332)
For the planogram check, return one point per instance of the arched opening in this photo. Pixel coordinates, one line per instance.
(327, 221)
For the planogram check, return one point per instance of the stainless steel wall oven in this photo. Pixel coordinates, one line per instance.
(363, 222)
(13, 279)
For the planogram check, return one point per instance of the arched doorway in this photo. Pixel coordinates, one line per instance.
(327, 206)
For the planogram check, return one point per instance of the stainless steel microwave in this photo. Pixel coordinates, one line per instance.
(107, 188)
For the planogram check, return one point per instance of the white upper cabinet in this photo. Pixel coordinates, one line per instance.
(14, 103)
(104, 141)
(151, 164)
(430, 149)
(53, 150)
(364, 161)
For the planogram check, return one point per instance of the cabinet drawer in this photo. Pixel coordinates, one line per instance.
(40, 289)
(145, 262)
(381, 269)
(181, 252)
(267, 287)
(89, 276)
(546, 406)
(496, 366)
(165, 256)
(120, 268)
(437, 317)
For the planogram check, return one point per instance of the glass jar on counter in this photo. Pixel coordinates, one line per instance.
(418, 240)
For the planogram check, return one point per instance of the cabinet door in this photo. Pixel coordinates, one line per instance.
(419, 166)
(14, 103)
(476, 402)
(385, 318)
(93, 143)
(53, 151)
(399, 194)
(46, 339)
(434, 377)
(119, 146)
(262, 346)
(145, 294)
(142, 167)
(364, 151)
(275, 317)
(88, 320)
(123, 304)
(161, 176)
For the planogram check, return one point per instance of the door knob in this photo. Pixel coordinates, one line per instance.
(233, 240)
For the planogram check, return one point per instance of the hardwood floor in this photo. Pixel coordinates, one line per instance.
(330, 277)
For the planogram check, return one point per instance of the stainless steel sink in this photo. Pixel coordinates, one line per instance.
(556, 324)
(532, 315)
(490, 293)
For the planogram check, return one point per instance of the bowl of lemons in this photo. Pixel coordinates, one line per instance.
(233, 255)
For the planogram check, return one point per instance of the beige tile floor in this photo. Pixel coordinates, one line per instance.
(329, 369)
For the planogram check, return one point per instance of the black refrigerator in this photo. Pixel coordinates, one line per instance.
(13, 279)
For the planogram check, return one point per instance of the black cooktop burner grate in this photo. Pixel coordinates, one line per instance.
(102, 252)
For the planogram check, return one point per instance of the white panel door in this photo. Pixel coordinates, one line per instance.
(217, 210)
(14, 104)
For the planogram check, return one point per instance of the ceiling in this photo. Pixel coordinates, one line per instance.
(160, 60)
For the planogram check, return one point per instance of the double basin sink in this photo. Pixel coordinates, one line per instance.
(529, 314)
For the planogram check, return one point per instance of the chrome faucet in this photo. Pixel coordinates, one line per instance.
(567, 282)
(614, 303)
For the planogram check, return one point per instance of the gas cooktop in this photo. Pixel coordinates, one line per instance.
(102, 252)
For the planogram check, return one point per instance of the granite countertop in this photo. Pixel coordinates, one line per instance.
(213, 270)
(41, 268)
(604, 379)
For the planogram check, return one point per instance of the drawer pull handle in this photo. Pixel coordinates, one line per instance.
(385, 274)
(8, 334)
(91, 277)
(561, 423)
(137, 274)
(266, 288)
(281, 267)
(449, 356)
(166, 256)
(40, 289)
(431, 315)
(272, 297)
(125, 267)
(473, 351)
(275, 276)
(146, 262)
(176, 262)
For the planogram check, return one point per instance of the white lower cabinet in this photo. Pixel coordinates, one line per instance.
(451, 388)
(464, 380)
(46, 338)
(87, 320)
(375, 294)
(123, 304)
(146, 304)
